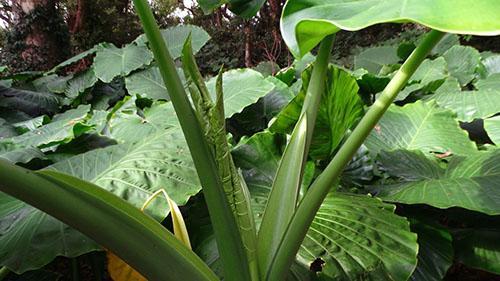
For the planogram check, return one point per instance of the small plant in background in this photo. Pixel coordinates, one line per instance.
(311, 196)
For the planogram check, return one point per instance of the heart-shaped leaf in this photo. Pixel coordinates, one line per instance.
(242, 87)
(467, 182)
(419, 126)
(111, 61)
(176, 36)
(352, 236)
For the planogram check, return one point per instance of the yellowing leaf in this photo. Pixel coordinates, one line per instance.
(121, 271)
(180, 230)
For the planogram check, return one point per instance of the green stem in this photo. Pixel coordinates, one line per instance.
(231, 249)
(286, 186)
(313, 199)
(75, 269)
(316, 87)
(109, 220)
(4, 271)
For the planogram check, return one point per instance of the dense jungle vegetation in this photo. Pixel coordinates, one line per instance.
(249, 140)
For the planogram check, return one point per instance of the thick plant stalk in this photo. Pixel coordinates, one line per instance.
(111, 221)
(212, 119)
(314, 197)
(286, 186)
(230, 245)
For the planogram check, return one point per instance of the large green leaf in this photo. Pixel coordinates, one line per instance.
(356, 236)
(491, 82)
(256, 117)
(127, 123)
(421, 126)
(18, 154)
(80, 83)
(430, 71)
(51, 83)
(177, 35)
(111, 61)
(30, 238)
(435, 253)
(134, 171)
(7, 130)
(63, 128)
(373, 59)
(429, 76)
(32, 103)
(479, 248)
(462, 62)
(492, 127)
(340, 108)
(305, 23)
(242, 87)
(467, 182)
(470, 105)
(492, 64)
(148, 83)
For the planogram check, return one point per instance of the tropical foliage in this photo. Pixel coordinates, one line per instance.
(389, 169)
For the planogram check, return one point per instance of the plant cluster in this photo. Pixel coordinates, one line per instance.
(384, 171)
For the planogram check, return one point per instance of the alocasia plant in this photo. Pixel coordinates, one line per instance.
(288, 215)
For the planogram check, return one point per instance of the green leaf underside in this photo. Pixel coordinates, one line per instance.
(63, 128)
(177, 35)
(111, 61)
(30, 238)
(147, 82)
(470, 105)
(18, 154)
(242, 87)
(419, 126)
(435, 253)
(468, 182)
(373, 59)
(339, 110)
(305, 23)
(479, 249)
(462, 62)
(491, 82)
(357, 236)
(492, 127)
(30, 102)
(129, 124)
(80, 83)
(134, 171)
(492, 64)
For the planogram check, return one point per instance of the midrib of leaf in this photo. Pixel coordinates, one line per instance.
(419, 128)
(129, 157)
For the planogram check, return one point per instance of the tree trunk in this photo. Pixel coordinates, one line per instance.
(39, 39)
(248, 44)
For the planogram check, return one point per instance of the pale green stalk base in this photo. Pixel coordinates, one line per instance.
(285, 191)
(313, 199)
